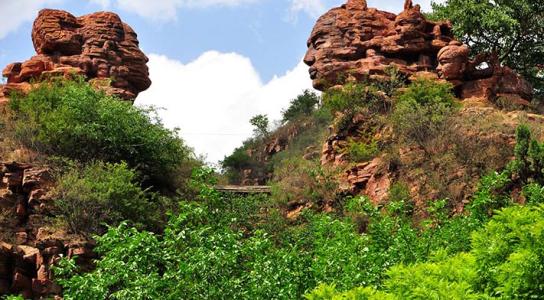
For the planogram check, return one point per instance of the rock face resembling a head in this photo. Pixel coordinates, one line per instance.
(99, 46)
(353, 42)
(452, 61)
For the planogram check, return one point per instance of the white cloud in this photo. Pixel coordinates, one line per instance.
(212, 98)
(165, 10)
(14, 13)
(314, 8)
(102, 3)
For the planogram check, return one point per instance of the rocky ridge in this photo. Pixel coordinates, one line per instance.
(99, 46)
(353, 42)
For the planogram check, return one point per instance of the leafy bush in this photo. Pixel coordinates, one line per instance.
(421, 111)
(329, 292)
(130, 260)
(533, 193)
(525, 172)
(352, 97)
(72, 119)
(491, 195)
(235, 164)
(360, 151)
(506, 261)
(303, 105)
(304, 181)
(400, 200)
(101, 193)
(202, 255)
(509, 253)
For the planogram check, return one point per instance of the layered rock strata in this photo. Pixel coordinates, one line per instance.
(28, 244)
(99, 46)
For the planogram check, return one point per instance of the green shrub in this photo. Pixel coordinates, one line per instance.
(87, 198)
(355, 97)
(509, 253)
(72, 119)
(528, 165)
(214, 249)
(399, 200)
(533, 193)
(492, 194)
(329, 292)
(11, 297)
(421, 112)
(128, 268)
(360, 151)
(441, 278)
(304, 181)
(396, 80)
(234, 164)
(426, 92)
(303, 105)
(525, 172)
(506, 261)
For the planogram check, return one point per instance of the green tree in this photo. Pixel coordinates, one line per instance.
(513, 29)
(260, 122)
(303, 105)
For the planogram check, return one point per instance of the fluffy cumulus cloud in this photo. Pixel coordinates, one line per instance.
(212, 98)
(13, 13)
(164, 10)
(314, 8)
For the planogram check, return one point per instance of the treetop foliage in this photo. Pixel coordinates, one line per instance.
(303, 105)
(71, 119)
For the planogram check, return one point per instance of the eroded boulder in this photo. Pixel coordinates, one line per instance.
(353, 42)
(99, 46)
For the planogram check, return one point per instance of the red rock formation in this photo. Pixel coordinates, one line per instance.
(28, 248)
(482, 77)
(99, 46)
(354, 42)
(372, 179)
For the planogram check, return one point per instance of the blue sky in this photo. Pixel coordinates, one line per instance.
(213, 63)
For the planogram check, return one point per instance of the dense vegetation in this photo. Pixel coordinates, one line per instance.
(223, 247)
(164, 232)
(218, 246)
(112, 161)
(71, 119)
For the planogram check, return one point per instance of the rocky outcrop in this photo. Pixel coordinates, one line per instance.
(354, 42)
(482, 77)
(99, 46)
(481, 138)
(372, 179)
(28, 244)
